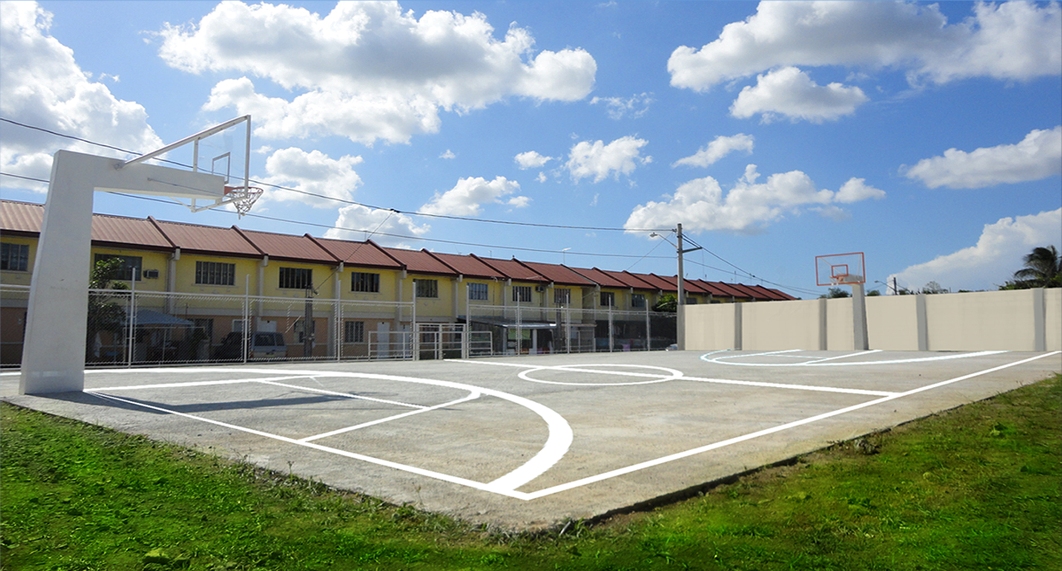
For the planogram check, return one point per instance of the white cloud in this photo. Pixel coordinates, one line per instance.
(993, 260)
(468, 196)
(1007, 41)
(368, 70)
(856, 190)
(531, 160)
(599, 161)
(617, 108)
(356, 222)
(313, 172)
(42, 85)
(1037, 156)
(700, 204)
(717, 149)
(448, 154)
(791, 93)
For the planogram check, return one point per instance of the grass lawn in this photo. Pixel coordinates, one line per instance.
(979, 487)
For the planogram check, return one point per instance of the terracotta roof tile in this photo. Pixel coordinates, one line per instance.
(469, 266)
(287, 246)
(513, 269)
(21, 216)
(599, 277)
(420, 261)
(558, 274)
(366, 254)
(128, 231)
(206, 239)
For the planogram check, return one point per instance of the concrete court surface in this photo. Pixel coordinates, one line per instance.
(529, 442)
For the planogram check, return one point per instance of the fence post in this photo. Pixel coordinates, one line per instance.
(648, 336)
(132, 318)
(246, 316)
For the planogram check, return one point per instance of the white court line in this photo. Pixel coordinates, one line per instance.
(720, 360)
(714, 446)
(340, 394)
(472, 396)
(676, 376)
(843, 356)
(558, 440)
(378, 461)
(193, 384)
(814, 388)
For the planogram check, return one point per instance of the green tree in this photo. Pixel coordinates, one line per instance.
(103, 313)
(667, 302)
(836, 292)
(1043, 268)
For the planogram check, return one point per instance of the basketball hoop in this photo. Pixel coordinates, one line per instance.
(241, 197)
(840, 269)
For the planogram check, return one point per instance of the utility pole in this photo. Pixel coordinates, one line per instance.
(680, 303)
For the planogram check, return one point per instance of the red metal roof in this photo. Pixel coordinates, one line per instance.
(468, 266)
(206, 239)
(656, 282)
(599, 277)
(21, 216)
(288, 247)
(125, 231)
(420, 261)
(366, 254)
(513, 269)
(558, 274)
(627, 279)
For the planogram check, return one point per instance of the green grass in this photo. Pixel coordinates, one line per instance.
(978, 487)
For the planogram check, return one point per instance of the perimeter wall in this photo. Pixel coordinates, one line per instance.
(1015, 320)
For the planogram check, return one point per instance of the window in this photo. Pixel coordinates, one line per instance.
(637, 300)
(477, 292)
(125, 270)
(14, 257)
(522, 294)
(353, 331)
(562, 296)
(608, 299)
(367, 283)
(215, 273)
(427, 288)
(296, 278)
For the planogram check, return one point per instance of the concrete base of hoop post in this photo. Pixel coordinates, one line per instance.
(859, 318)
(53, 354)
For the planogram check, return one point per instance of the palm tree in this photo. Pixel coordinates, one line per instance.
(1043, 268)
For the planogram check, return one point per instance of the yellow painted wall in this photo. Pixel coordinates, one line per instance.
(9, 277)
(244, 267)
(322, 279)
(152, 260)
(440, 307)
(388, 283)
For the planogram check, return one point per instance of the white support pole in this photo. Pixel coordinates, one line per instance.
(53, 355)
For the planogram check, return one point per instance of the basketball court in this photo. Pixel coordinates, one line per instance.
(528, 442)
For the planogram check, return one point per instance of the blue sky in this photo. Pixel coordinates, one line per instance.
(928, 136)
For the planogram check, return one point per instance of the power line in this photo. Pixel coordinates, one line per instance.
(422, 214)
(355, 203)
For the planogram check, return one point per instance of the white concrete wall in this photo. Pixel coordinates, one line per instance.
(840, 331)
(781, 325)
(1021, 320)
(714, 325)
(995, 320)
(893, 322)
(1053, 319)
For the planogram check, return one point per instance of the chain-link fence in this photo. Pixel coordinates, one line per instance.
(127, 328)
(525, 329)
